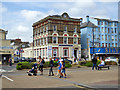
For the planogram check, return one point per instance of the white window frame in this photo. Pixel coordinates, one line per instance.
(65, 28)
(54, 28)
(76, 40)
(66, 40)
(37, 53)
(54, 39)
(46, 28)
(56, 52)
(75, 29)
(43, 41)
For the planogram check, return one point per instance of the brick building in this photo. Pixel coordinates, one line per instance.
(57, 36)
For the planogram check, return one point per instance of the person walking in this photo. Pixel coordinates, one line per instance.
(60, 67)
(41, 62)
(63, 69)
(10, 62)
(51, 67)
(94, 61)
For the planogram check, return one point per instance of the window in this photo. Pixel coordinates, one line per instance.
(102, 30)
(98, 22)
(105, 23)
(109, 37)
(102, 44)
(54, 40)
(40, 41)
(106, 44)
(34, 43)
(65, 40)
(94, 36)
(99, 44)
(112, 44)
(115, 37)
(115, 24)
(108, 30)
(111, 24)
(101, 22)
(47, 29)
(109, 44)
(54, 28)
(75, 29)
(105, 37)
(105, 29)
(99, 37)
(75, 41)
(65, 29)
(112, 38)
(99, 29)
(65, 52)
(111, 30)
(102, 37)
(54, 52)
(43, 41)
(43, 30)
(115, 30)
(115, 44)
(37, 53)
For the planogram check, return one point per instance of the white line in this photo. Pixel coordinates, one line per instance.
(7, 78)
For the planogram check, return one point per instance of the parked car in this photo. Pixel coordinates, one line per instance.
(68, 61)
(16, 59)
(33, 59)
(57, 59)
(111, 59)
(21, 59)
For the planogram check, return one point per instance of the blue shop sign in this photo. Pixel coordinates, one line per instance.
(105, 50)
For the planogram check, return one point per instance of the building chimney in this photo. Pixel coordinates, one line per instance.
(87, 17)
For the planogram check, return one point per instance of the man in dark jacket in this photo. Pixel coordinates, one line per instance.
(51, 66)
(94, 61)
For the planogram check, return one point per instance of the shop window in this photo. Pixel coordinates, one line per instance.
(65, 52)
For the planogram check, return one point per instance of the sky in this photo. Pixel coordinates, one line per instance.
(18, 16)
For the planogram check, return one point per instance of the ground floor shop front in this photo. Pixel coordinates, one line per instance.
(55, 51)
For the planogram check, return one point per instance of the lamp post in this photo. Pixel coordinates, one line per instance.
(93, 39)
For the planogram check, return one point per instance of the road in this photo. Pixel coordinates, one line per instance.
(76, 78)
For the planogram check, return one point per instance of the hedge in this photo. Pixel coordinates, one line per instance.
(24, 65)
(110, 63)
(28, 65)
(88, 63)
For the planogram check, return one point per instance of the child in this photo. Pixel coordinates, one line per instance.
(63, 68)
(33, 70)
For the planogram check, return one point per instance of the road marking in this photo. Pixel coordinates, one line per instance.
(7, 78)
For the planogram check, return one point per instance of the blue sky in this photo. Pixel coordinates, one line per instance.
(18, 17)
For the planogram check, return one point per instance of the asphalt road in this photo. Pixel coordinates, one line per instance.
(82, 77)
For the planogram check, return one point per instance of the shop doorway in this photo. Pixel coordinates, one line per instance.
(75, 53)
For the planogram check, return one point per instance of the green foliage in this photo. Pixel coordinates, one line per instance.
(24, 65)
(89, 63)
(55, 63)
(46, 64)
(68, 65)
(110, 63)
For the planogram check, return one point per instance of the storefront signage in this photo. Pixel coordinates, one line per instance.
(105, 50)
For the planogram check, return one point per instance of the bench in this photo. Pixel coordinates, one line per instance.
(105, 66)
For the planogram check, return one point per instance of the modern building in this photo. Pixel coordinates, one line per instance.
(6, 50)
(57, 36)
(100, 36)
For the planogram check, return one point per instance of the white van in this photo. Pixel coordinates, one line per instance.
(111, 58)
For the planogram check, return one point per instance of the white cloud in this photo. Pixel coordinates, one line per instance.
(22, 28)
(31, 15)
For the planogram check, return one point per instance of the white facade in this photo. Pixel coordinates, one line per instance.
(28, 52)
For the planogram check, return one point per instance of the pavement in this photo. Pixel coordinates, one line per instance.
(82, 77)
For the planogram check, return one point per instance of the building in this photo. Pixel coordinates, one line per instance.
(18, 47)
(105, 40)
(57, 36)
(28, 52)
(6, 50)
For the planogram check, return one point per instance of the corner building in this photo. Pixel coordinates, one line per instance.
(57, 36)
